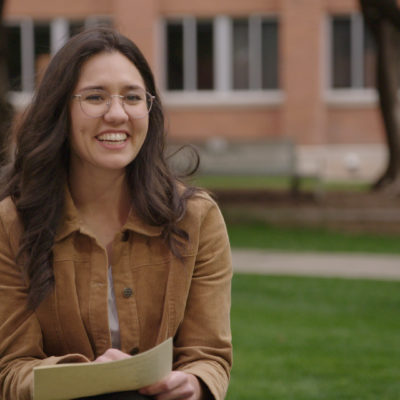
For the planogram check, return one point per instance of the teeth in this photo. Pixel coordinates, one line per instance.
(112, 137)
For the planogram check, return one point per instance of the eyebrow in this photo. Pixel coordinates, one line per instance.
(126, 87)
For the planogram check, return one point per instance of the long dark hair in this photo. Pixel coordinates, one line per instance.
(36, 177)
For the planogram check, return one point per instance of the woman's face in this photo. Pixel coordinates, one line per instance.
(113, 140)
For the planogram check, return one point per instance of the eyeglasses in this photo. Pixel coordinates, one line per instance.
(95, 103)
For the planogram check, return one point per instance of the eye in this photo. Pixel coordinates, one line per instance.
(94, 97)
(134, 97)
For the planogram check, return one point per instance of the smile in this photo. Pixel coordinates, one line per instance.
(119, 137)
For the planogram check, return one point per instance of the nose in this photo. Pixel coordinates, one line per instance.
(116, 111)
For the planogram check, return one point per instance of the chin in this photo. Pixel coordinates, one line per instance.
(116, 164)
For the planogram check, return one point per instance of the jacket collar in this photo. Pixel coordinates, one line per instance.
(71, 222)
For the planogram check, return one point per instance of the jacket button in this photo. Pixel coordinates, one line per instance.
(127, 292)
(134, 351)
(125, 236)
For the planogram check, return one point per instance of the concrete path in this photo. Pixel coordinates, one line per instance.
(317, 264)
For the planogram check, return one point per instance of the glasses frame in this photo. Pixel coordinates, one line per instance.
(109, 102)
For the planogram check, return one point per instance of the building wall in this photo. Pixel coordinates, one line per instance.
(138, 20)
(301, 112)
(240, 123)
(301, 46)
(349, 125)
(212, 7)
(340, 6)
(44, 9)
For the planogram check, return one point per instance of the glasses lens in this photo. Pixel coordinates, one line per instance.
(94, 102)
(137, 103)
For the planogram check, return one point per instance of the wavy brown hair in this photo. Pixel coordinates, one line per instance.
(37, 175)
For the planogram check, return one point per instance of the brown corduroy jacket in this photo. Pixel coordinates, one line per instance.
(157, 296)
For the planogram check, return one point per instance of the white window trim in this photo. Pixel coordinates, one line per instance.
(59, 34)
(357, 50)
(27, 55)
(223, 99)
(328, 53)
(223, 54)
(160, 53)
(349, 98)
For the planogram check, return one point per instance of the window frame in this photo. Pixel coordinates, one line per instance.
(356, 95)
(59, 35)
(27, 46)
(223, 93)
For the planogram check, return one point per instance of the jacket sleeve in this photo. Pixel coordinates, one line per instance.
(21, 346)
(203, 342)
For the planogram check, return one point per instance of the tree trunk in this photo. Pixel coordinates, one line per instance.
(383, 18)
(388, 86)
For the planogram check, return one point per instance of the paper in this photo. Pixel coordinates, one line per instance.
(71, 381)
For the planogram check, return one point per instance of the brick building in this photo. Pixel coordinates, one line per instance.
(302, 69)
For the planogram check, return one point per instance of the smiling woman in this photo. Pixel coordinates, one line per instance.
(107, 130)
(104, 253)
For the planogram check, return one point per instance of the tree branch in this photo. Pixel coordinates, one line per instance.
(375, 10)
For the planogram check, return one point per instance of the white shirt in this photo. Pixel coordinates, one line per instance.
(112, 313)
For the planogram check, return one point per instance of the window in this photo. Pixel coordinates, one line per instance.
(42, 49)
(42, 39)
(30, 44)
(221, 54)
(352, 53)
(190, 54)
(341, 48)
(14, 57)
(175, 56)
(205, 51)
(75, 27)
(28, 51)
(270, 54)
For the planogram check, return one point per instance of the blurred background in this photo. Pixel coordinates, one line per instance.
(300, 71)
(293, 107)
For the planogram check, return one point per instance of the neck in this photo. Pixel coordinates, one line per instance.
(104, 192)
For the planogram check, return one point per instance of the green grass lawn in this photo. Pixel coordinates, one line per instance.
(315, 338)
(264, 236)
(273, 183)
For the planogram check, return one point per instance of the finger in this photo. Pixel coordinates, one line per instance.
(112, 355)
(173, 380)
(182, 392)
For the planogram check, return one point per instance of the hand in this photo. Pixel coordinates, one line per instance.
(177, 385)
(112, 355)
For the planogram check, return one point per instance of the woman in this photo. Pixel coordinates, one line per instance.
(103, 253)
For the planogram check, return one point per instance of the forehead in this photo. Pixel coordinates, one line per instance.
(110, 70)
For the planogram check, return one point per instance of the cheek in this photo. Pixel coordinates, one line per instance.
(74, 136)
(73, 127)
(140, 136)
(78, 135)
(74, 145)
(141, 125)
(140, 130)
(81, 128)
